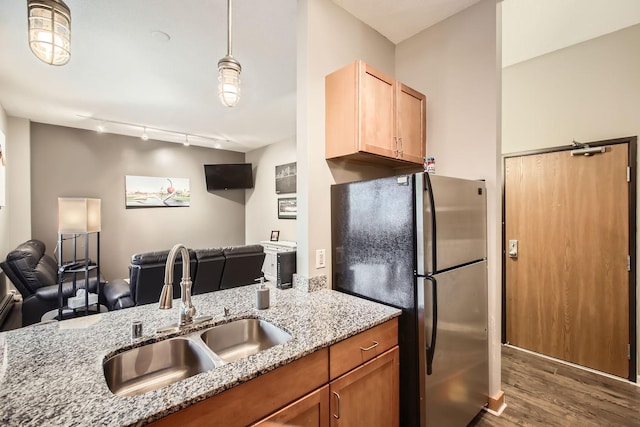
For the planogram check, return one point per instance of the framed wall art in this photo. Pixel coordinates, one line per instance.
(286, 178)
(287, 208)
(154, 192)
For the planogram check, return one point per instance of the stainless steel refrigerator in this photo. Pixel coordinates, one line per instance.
(418, 242)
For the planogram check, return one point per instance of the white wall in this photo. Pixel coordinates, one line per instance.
(15, 217)
(328, 39)
(261, 215)
(455, 63)
(587, 92)
(70, 162)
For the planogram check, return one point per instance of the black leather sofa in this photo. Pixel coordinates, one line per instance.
(35, 275)
(211, 269)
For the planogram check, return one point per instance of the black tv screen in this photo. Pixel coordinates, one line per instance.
(228, 176)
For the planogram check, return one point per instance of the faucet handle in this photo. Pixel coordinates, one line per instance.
(226, 311)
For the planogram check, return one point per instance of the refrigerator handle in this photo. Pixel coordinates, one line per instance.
(431, 349)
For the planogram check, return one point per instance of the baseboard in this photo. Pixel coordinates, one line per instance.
(496, 403)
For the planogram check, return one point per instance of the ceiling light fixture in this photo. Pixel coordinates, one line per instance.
(50, 30)
(186, 140)
(100, 127)
(144, 135)
(229, 71)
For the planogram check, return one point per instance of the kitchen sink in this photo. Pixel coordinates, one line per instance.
(161, 363)
(235, 340)
(155, 365)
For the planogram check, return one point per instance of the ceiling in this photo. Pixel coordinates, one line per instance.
(120, 72)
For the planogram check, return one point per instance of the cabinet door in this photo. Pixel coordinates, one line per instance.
(309, 411)
(368, 395)
(411, 124)
(376, 99)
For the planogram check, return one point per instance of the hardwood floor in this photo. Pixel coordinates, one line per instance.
(541, 392)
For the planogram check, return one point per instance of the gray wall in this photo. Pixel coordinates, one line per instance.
(587, 92)
(69, 162)
(261, 207)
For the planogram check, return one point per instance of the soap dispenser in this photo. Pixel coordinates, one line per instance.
(262, 295)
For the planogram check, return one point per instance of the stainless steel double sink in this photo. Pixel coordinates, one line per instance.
(161, 363)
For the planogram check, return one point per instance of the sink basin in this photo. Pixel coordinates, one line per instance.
(242, 338)
(155, 365)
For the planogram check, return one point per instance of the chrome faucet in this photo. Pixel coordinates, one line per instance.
(187, 309)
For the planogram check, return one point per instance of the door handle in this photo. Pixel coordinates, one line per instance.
(371, 347)
(337, 417)
(431, 349)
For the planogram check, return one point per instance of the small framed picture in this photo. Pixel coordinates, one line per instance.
(275, 235)
(287, 208)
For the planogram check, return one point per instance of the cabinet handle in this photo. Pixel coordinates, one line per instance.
(337, 417)
(401, 149)
(395, 144)
(374, 345)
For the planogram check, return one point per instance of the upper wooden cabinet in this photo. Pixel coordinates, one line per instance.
(372, 117)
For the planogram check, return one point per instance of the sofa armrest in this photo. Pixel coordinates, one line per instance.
(117, 294)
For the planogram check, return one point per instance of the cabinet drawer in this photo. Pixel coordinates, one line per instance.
(360, 348)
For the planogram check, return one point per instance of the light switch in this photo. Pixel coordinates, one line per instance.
(320, 258)
(513, 249)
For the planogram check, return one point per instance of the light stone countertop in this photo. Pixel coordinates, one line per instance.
(51, 374)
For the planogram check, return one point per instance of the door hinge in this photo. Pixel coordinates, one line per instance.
(628, 263)
(628, 173)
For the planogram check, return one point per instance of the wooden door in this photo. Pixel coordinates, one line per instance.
(368, 395)
(377, 92)
(567, 292)
(411, 123)
(309, 411)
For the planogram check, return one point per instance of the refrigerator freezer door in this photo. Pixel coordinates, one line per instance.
(458, 386)
(372, 234)
(457, 224)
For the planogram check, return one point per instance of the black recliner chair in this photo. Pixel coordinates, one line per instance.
(242, 266)
(146, 278)
(35, 275)
(210, 266)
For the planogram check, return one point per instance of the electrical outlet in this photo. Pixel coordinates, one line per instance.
(321, 258)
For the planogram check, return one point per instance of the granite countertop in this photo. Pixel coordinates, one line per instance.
(51, 374)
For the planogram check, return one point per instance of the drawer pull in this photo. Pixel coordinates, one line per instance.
(337, 417)
(371, 347)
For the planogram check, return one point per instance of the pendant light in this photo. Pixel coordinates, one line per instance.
(50, 30)
(229, 71)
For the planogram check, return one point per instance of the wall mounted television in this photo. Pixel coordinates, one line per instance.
(228, 176)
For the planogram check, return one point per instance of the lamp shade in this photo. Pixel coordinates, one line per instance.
(78, 215)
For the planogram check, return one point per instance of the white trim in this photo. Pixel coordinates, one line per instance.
(584, 368)
(498, 412)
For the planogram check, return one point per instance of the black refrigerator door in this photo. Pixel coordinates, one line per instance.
(373, 240)
(451, 224)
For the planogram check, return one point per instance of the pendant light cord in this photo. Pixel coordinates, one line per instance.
(228, 27)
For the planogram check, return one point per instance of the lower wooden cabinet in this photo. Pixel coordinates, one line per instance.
(368, 395)
(361, 390)
(309, 411)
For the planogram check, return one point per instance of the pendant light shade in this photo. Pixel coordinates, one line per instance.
(50, 31)
(229, 71)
